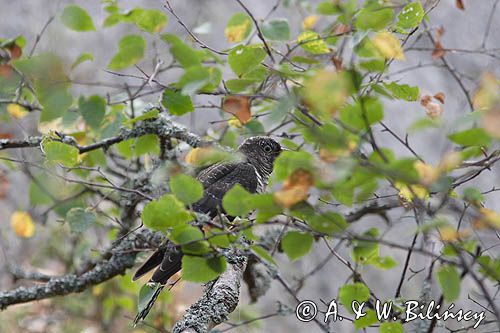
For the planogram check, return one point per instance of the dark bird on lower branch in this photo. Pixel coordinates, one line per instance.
(252, 173)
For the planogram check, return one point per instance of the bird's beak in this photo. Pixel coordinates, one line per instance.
(286, 149)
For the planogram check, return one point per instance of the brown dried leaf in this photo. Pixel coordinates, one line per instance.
(434, 110)
(425, 99)
(438, 50)
(15, 51)
(6, 70)
(460, 4)
(440, 97)
(337, 62)
(239, 106)
(439, 32)
(341, 29)
(4, 186)
(295, 189)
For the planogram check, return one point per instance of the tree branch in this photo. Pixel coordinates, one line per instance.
(161, 126)
(220, 298)
(114, 262)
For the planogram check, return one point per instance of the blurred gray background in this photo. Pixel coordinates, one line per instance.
(464, 30)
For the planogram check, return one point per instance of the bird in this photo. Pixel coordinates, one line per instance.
(252, 172)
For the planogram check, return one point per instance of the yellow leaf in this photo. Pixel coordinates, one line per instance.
(237, 33)
(327, 91)
(388, 46)
(205, 156)
(450, 162)
(16, 111)
(234, 122)
(309, 22)
(22, 224)
(427, 173)
(450, 234)
(488, 92)
(407, 192)
(490, 218)
(491, 121)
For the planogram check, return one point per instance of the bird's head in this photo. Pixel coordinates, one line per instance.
(261, 151)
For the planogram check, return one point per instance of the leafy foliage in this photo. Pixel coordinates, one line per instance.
(329, 89)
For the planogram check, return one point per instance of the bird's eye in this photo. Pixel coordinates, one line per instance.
(268, 148)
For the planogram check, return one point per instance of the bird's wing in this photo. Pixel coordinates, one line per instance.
(220, 179)
(216, 171)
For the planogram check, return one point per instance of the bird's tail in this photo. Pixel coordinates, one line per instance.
(143, 312)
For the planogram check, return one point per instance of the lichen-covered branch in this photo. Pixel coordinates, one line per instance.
(114, 262)
(219, 299)
(161, 126)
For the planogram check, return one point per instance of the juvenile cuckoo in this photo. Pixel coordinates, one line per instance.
(251, 172)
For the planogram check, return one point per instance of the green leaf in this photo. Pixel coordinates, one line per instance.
(80, 219)
(473, 195)
(200, 269)
(165, 212)
(370, 318)
(365, 251)
(236, 201)
(59, 152)
(449, 281)
(238, 28)
(374, 18)
(311, 42)
(55, 100)
(92, 110)
(146, 295)
(366, 112)
(150, 20)
(52, 93)
(391, 328)
(176, 103)
(242, 59)
(151, 114)
(265, 205)
(131, 50)
(490, 267)
(148, 143)
(296, 244)
(276, 29)
(328, 223)
(289, 161)
(197, 79)
(328, 8)
(262, 253)
(184, 54)
(184, 234)
(82, 58)
(38, 196)
(402, 91)
(239, 85)
(471, 137)
(353, 292)
(77, 18)
(411, 15)
(186, 188)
